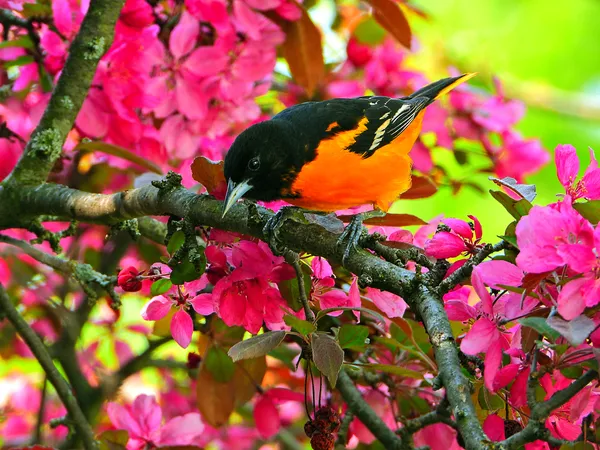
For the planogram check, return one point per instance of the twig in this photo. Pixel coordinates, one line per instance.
(83, 273)
(535, 428)
(365, 413)
(37, 436)
(465, 271)
(342, 437)
(292, 259)
(60, 385)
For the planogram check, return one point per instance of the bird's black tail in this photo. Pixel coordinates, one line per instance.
(438, 88)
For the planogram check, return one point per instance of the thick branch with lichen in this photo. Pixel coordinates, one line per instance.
(40, 351)
(45, 146)
(250, 219)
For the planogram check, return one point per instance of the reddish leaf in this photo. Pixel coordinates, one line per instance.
(531, 280)
(215, 400)
(209, 174)
(303, 52)
(391, 17)
(249, 373)
(422, 187)
(389, 220)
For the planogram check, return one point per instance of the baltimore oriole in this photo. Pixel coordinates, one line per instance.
(333, 154)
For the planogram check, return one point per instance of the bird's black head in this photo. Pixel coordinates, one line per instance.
(263, 162)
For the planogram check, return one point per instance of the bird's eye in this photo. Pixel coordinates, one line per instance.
(254, 164)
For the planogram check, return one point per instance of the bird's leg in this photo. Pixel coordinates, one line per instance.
(273, 226)
(350, 239)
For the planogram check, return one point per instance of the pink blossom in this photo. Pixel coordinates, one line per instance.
(497, 113)
(484, 336)
(567, 168)
(582, 292)
(143, 421)
(10, 150)
(266, 414)
(518, 157)
(546, 236)
(391, 305)
(182, 326)
(460, 239)
(380, 404)
(137, 14)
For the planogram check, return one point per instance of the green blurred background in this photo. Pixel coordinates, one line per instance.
(547, 53)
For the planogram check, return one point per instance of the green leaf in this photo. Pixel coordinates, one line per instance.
(391, 369)
(516, 208)
(303, 327)
(577, 446)
(22, 42)
(256, 346)
(20, 61)
(185, 272)
(160, 286)
(219, 364)
(540, 325)
(372, 313)
(488, 401)
(41, 9)
(289, 288)
(176, 242)
(327, 355)
(353, 336)
(45, 79)
(589, 210)
(123, 153)
(113, 439)
(286, 355)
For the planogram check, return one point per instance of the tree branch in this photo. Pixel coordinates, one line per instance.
(41, 353)
(249, 219)
(465, 271)
(91, 43)
(535, 428)
(458, 388)
(87, 277)
(365, 413)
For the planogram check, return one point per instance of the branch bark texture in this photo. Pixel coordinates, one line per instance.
(40, 351)
(91, 43)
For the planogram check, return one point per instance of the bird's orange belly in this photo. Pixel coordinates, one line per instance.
(339, 179)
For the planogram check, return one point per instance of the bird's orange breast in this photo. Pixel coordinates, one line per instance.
(339, 179)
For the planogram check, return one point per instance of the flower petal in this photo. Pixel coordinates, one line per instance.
(266, 417)
(157, 308)
(182, 328)
(567, 164)
(445, 245)
(480, 337)
(571, 299)
(494, 427)
(182, 430)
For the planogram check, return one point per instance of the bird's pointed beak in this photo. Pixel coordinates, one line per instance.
(235, 191)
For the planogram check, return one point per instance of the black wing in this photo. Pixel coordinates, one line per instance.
(387, 119)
